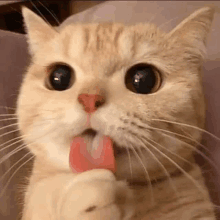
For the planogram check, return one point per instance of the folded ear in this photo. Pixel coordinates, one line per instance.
(38, 31)
(193, 31)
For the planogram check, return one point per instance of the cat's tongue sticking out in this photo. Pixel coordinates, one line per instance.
(88, 153)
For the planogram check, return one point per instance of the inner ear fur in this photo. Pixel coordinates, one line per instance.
(193, 31)
(38, 31)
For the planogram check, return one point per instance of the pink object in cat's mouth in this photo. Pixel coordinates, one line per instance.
(91, 150)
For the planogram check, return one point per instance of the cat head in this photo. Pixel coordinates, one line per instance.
(147, 82)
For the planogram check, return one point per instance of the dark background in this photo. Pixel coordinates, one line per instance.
(53, 11)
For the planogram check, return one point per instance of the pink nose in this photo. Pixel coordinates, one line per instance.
(91, 102)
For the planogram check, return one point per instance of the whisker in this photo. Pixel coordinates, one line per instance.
(39, 12)
(198, 143)
(180, 135)
(165, 23)
(129, 158)
(147, 127)
(3, 115)
(16, 130)
(181, 158)
(190, 126)
(152, 18)
(19, 148)
(160, 163)
(55, 18)
(11, 144)
(147, 175)
(8, 119)
(6, 185)
(16, 150)
(192, 147)
(6, 107)
(11, 140)
(7, 126)
(2, 177)
(197, 150)
(182, 170)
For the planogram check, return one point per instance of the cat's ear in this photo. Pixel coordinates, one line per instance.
(38, 31)
(195, 28)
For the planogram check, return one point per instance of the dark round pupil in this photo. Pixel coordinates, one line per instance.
(60, 77)
(141, 78)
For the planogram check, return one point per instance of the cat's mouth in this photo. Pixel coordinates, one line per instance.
(93, 150)
(90, 134)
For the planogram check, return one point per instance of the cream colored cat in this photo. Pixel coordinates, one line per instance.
(148, 100)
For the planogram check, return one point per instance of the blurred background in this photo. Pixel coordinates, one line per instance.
(53, 11)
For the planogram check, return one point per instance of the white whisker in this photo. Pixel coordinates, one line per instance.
(190, 126)
(181, 158)
(152, 18)
(16, 150)
(6, 107)
(198, 151)
(11, 140)
(160, 163)
(182, 170)
(3, 191)
(55, 18)
(39, 12)
(180, 135)
(4, 134)
(129, 158)
(2, 177)
(147, 175)
(4, 115)
(7, 126)
(189, 145)
(165, 23)
(11, 144)
(8, 119)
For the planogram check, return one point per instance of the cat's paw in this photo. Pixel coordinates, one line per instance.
(96, 195)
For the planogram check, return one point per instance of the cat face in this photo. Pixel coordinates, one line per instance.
(148, 80)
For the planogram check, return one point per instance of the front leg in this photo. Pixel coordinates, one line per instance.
(91, 195)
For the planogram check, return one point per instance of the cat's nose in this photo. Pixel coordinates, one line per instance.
(91, 102)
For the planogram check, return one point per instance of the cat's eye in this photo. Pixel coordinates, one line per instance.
(61, 77)
(142, 78)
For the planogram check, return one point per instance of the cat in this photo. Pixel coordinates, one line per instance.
(134, 84)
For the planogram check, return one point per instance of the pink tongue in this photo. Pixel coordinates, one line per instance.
(81, 160)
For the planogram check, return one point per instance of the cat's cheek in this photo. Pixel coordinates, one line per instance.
(52, 148)
(75, 119)
(56, 155)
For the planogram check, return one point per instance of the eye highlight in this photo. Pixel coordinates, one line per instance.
(61, 77)
(143, 79)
